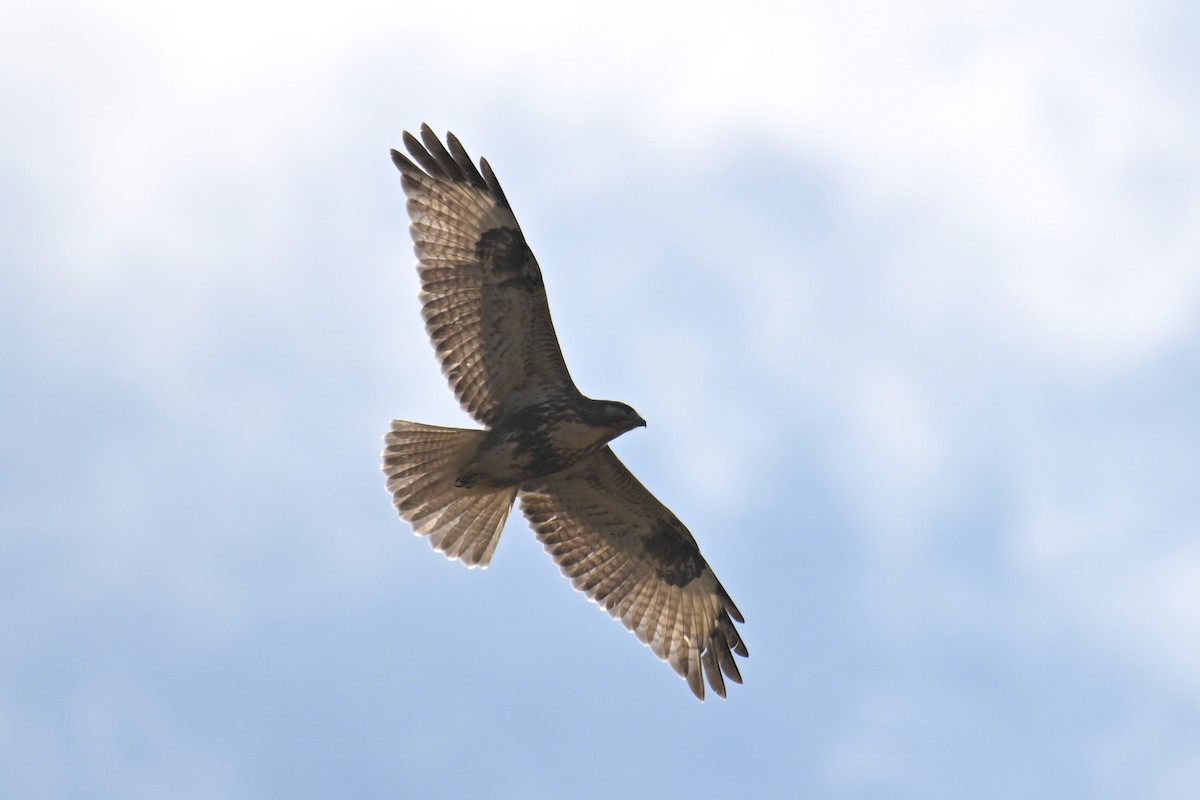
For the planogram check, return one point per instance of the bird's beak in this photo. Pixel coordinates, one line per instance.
(641, 423)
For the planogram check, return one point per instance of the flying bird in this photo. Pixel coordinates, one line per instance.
(543, 441)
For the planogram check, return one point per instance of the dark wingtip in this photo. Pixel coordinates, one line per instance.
(402, 161)
(727, 603)
(422, 156)
(411, 141)
(448, 162)
(712, 671)
(489, 178)
(438, 152)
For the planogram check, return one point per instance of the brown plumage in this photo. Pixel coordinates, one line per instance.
(485, 308)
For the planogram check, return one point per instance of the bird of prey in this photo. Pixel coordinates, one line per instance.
(544, 442)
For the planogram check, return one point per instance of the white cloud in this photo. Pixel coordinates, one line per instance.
(1041, 140)
(1013, 201)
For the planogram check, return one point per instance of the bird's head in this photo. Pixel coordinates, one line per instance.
(617, 416)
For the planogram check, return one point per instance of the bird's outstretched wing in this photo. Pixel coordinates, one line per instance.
(481, 289)
(630, 555)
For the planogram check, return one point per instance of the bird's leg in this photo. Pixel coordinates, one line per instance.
(466, 477)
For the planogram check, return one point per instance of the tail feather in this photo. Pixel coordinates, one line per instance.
(421, 463)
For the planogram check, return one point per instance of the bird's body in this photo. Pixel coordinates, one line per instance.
(485, 308)
(540, 440)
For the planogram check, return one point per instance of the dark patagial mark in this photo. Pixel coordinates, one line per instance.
(677, 561)
(504, 252)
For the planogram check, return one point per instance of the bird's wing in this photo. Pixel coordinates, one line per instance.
(481, 289)
(630, 555)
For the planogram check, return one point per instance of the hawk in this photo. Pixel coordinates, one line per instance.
(543, 442)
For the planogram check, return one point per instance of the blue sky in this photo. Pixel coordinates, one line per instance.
(909, 297)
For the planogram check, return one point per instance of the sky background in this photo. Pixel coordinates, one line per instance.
(908, 293)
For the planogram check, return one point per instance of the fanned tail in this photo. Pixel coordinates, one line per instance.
(421, 463)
